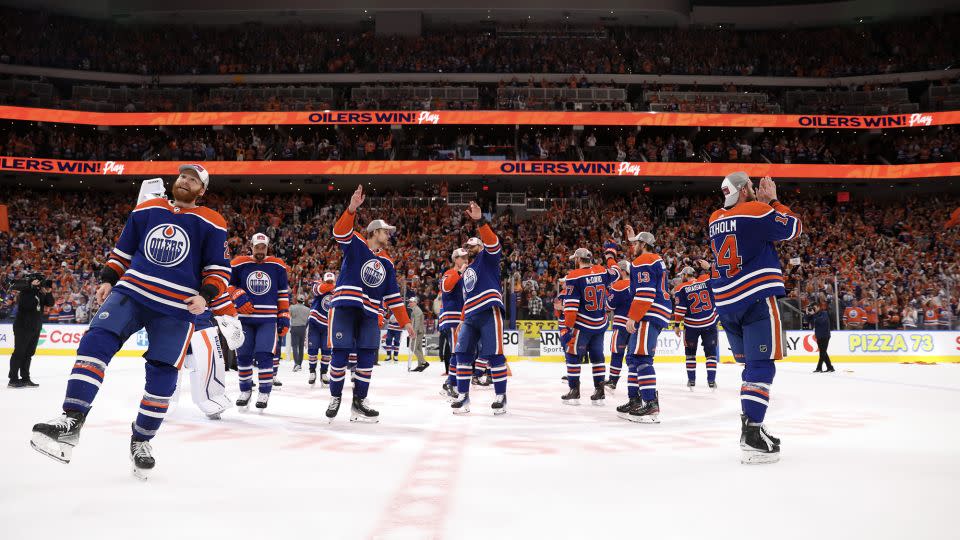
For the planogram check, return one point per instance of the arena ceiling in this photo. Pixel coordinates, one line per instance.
(682, 13)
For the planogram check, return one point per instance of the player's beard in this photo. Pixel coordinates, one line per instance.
(259, 256)
(183, 194)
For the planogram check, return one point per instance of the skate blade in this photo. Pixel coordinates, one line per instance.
(51, 448)
(643, 419)
(597, 402)
(752, 457)
(571, 402)
(214, 416)
(498, 412)
(361, 419)
(461, 411)
(141, 474)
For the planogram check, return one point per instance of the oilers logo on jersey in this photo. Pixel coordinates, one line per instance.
(372, 273)
(469, 280)
(258, 282)
(166, 245)
(327, 300)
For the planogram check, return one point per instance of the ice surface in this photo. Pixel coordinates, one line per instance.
(872, 451)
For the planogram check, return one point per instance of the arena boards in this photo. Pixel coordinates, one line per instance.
(801, 346)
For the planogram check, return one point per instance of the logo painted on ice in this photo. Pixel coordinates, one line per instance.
(373, 273)
(427, 116)
(469, 280)
(117, 168)
(258, 282)
(166, 245)
(626, 168)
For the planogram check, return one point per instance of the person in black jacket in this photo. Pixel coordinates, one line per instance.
(26, 331)
(819, 320)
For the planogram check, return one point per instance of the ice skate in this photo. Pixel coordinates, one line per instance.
(313, 378)
(598, 397)
(277, 383)
(461, 405)
(324, 380)
(623, 411)
(449, 392)
(648, 413)
(499, 405)
(691, 385)
(244, 398)
(611, 384)
(360, 411)
(756, 445)
(712, 385)
(572, 397)
(262, 400)
(59, 436)
(333, 407)
(743, 422)
(141, 454)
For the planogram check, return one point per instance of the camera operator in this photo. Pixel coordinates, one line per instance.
(26, 330)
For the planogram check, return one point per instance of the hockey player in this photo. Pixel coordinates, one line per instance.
(204, 359)
(585, 317)
(366, 283)
(746, 282)
(619, 298)
(482, 326)
(451, 312)
(168, 265)
(261, 293)
(317, 328)
(391, 342)
(693, 308)
(649, 314)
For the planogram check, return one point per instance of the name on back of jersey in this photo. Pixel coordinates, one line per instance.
(723, 227)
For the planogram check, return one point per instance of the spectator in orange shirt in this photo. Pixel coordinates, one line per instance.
(872, 315)
(931, 316)
(854, 317)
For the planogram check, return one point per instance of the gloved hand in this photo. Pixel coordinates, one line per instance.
(232, 331)
(283, 323)
(241, 301)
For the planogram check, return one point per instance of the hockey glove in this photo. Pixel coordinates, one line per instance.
(241, 301)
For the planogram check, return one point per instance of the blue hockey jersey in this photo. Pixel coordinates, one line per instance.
(451, 299)
(266, 284)
(165, 254)
(693, 303)
(585, 297)
(366, 280)
(322, 298)
(747, 267)
(481, 280)
(619, 299)
(651, 299)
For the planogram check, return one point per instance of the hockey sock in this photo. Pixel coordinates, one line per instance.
(324, 363)
(616, 364)
(276, 365)
(632, 388)
(352, 362)
(452, 371)
(480, 368)
(711, 368)
(338, 371)
(755, 390)
(264, 371)
(245, 369)
(161, 381)
(365, 360)
(94, 353)
(573, 370)
(599, 364)
(464, 372)
(691, 368)
(646, 378)
(498, 373)
(312, 360)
